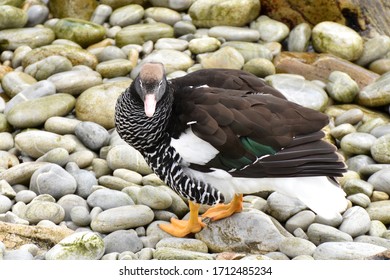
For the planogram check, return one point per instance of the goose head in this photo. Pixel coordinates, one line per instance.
(150, 85)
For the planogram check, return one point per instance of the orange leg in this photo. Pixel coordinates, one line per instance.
(181, 228)
(221, 211)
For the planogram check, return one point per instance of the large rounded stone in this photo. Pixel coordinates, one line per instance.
(46, 67)
(296, 89)
(337, 39)
(75, 81)
(162, 14)
(269, 29)
(226, 57)
(154, 197)
(54, 180)
(75, 55)
(376, 93)
(78, 246)
(107, 199)
(37, 211)
(252, 232)
(82, 32)
(357, 143)
(11, 39)
(36, 143)
(205, 13)
(346, 251)
(173, 61)
(100, 99)
(124, 217)
(35, 112)
(125, 156)
(127, 15)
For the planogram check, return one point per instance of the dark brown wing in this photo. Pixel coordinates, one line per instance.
(226, 79)
(257, 135)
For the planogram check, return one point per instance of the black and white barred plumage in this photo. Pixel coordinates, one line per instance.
(150, 137)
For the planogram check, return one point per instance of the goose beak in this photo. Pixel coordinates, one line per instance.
(150, 104)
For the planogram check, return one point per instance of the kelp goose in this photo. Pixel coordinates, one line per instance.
(216, 134)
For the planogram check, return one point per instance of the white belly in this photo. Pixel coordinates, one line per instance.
(318, 193)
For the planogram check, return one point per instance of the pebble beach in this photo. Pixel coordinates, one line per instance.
(72, 189)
